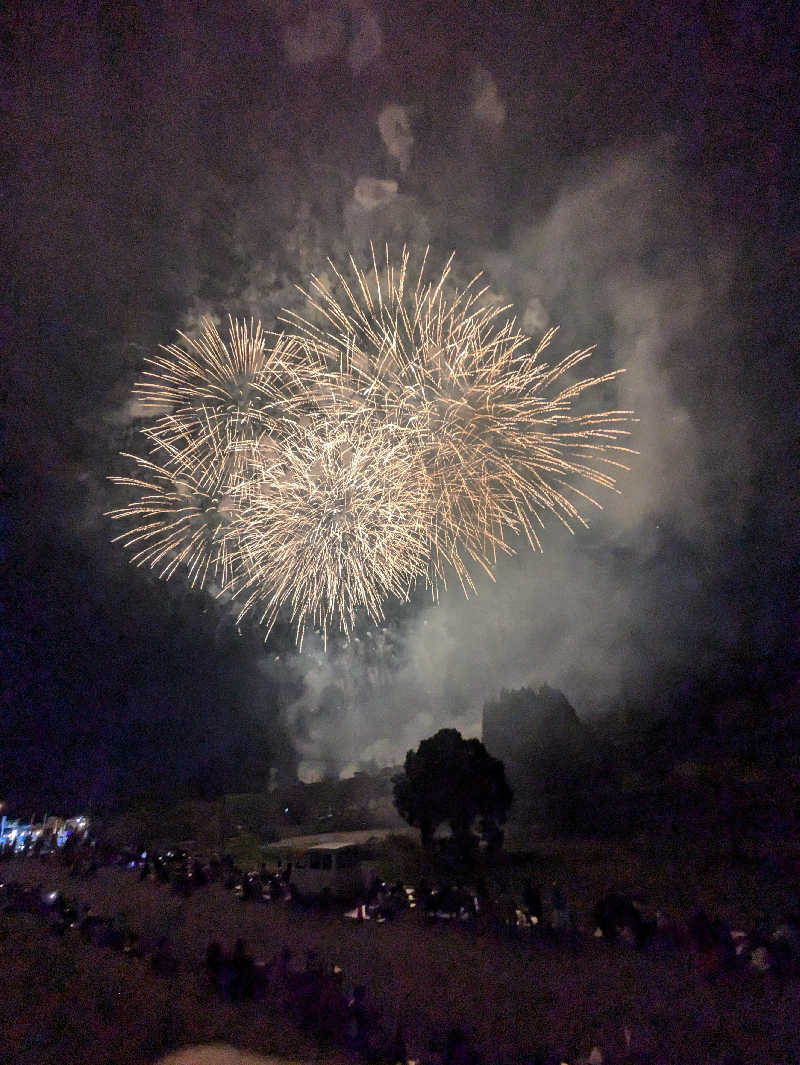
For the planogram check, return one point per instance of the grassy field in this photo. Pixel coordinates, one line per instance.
(674, 877)
(68, 1001)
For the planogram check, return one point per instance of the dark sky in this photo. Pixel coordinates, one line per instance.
(623, 170)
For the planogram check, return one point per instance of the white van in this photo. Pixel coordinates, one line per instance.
(335, 866)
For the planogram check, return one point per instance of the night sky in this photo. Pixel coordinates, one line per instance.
(627, 171)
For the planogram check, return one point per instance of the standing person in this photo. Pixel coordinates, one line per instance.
(559, 919)
(532, 898)
(358, 1020)
(242, 984)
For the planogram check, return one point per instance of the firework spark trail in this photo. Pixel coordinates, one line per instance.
(497, 450)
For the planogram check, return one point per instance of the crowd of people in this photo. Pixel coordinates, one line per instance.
(313, 992)
(316, 994)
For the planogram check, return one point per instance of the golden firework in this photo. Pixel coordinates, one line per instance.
(495, 432)
(239, 386)
(183, 511)
(405, 430)
(331, 524)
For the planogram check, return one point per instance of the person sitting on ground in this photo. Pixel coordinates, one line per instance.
(397, 1051)
(163, 961)
(111, 935)
(422, 892)
(699, 929)
(199, 875)
(213, 961)
(296, 899)
(706, 946)
(532, 899)
(242, 966)
(245, 889)
(332, 1007)
(279, 970)
(457, 1050)
(619, 915)
(69, 913)
(283, 967)
(723, 942)
(88, 920)
(313, 962)
(130, 944)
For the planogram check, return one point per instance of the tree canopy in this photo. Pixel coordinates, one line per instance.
(452, 781)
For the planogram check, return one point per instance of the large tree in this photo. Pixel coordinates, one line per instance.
(453, 781)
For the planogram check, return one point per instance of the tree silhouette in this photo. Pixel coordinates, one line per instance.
(453, 781)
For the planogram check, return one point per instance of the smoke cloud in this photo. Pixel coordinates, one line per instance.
(624, 260)
(207, 162)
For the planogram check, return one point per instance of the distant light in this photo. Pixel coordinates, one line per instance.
(286, 809)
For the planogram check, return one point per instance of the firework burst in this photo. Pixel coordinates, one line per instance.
(408, 430)
(185, 505)
(238, 387)
(331, 524)
(494, 431)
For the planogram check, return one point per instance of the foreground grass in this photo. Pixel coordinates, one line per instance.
(65, 1000)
